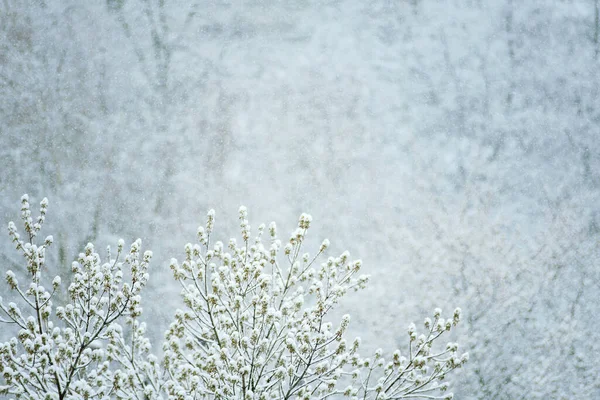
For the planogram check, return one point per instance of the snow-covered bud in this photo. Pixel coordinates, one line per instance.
(427, 323)
(201, 234)
(273, 230)
(49, 240)
(245, 227)
(148, 256)
(464, 358)
(11, 279)
(56, 282)
(419, 361)
(412, 332)
(288, 249)
(452, 347)
(135, 246)
(304, 221)
(362, 281)
(440, 325)
(456, 317)
(12, 228)
(24, 202)
(356, 345)
(305, 257)
(210, 220)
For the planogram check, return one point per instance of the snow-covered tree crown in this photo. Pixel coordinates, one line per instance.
(254, 326)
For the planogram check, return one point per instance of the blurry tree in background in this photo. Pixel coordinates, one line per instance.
(453, 144)
(52, 90)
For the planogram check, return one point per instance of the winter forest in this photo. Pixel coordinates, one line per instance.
(452, 147)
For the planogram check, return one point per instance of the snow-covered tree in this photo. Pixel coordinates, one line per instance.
(91, 346)
(255, 326)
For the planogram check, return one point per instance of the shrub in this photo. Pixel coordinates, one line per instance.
(254, 326)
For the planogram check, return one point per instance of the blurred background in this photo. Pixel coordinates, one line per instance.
(453, 145)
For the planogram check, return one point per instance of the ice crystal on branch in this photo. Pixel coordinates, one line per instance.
(255, 326)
